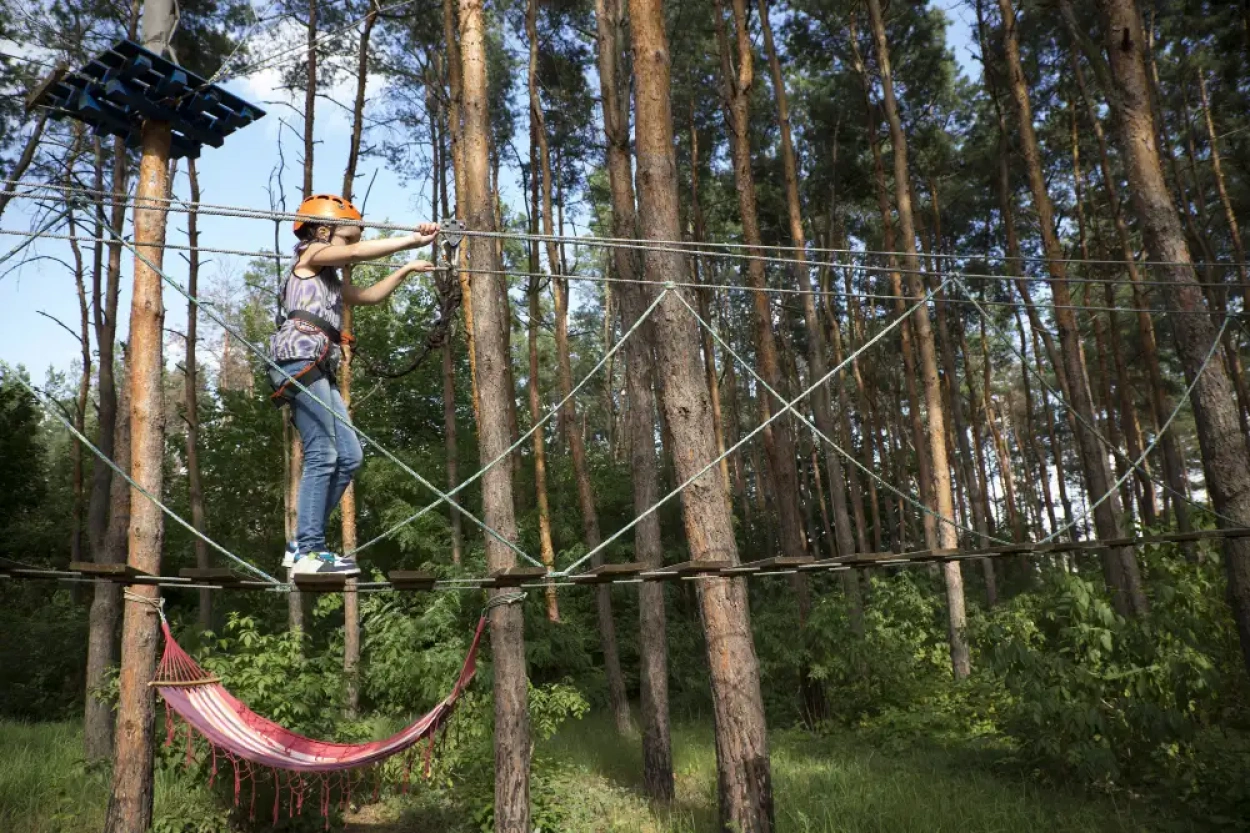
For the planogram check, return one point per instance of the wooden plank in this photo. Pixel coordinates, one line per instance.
(416, 580)
(216, 575)
(606, 573)
(686, 568)
(45, 86)
(112, 572)
(778, 564)
(515, 576)
(320, 582)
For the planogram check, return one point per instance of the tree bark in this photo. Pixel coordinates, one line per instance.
(106, 548)
(1224, 450)
(709, 346)
(347, 506)
(130, 806)
(816, 356)
(738, 74)
(455, 131)
(491, 317)
(1160, 401)
(907, 329)
(1120, 563)
(743, 768)
(657, 752)
(546, 549)
(195, 488)
(618, 699)
(945, 536)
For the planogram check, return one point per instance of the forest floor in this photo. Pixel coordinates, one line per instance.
(589, 780)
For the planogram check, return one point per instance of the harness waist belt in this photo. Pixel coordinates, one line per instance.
(320, 323)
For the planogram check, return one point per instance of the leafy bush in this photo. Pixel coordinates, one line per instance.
(902, 658)
(1099, 697)
(270, 672)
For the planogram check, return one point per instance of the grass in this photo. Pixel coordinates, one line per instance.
(589, 780)
(45, 787)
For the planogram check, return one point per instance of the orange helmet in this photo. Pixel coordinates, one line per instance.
(328, 206)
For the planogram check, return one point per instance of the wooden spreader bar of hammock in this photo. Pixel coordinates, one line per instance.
(618, 573)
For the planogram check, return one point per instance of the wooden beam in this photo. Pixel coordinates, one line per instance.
(686, 568)
(214, 575)
(515, 576)
(776, 565)
(411, 580)
(112, 572)
(606, 573)
(320, 582)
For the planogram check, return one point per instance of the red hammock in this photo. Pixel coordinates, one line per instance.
(246, 739)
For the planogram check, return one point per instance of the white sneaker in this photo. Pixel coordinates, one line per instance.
(291, 555)
(324, 563)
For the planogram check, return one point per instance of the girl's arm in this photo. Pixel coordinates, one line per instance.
(380, 291)
(352, 253)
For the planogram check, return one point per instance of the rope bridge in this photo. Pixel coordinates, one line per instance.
(250, 742)
(666, 290)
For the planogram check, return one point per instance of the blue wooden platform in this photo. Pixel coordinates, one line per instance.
(128, 84)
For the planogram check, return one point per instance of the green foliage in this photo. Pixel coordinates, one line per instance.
(1098, 696)
(272, 675)
(902, 657)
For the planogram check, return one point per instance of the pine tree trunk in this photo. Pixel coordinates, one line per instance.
(102, 647)
(347, 506)
(106, 548)
(84, 381)
(657, 752)
(709, 346)
(1034, 445)
(906, 330)
(568, 413)
(195, 489)
(1224, 451)
(449, 441)
(817, 364)
(455, 124)
(743, 768)
(738, 78)
(130, 805)
(1160, 402)
(491, 318)
(547, 550)
(293, 457)
(945, 535)
(1120, 563)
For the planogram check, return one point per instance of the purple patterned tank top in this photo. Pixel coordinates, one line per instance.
(322, 295)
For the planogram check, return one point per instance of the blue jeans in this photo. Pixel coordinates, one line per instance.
(332, 455)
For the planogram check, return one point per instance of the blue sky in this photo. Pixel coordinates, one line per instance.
(236, 174)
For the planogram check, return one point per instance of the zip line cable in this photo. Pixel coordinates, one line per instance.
(718, 287)
(786, 406)
(841, 451)
(535, 427)
(1134, 464)
(42, 399)
(686, 248)
(1058, 396)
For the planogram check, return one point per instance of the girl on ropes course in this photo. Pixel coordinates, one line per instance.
(307, 347)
